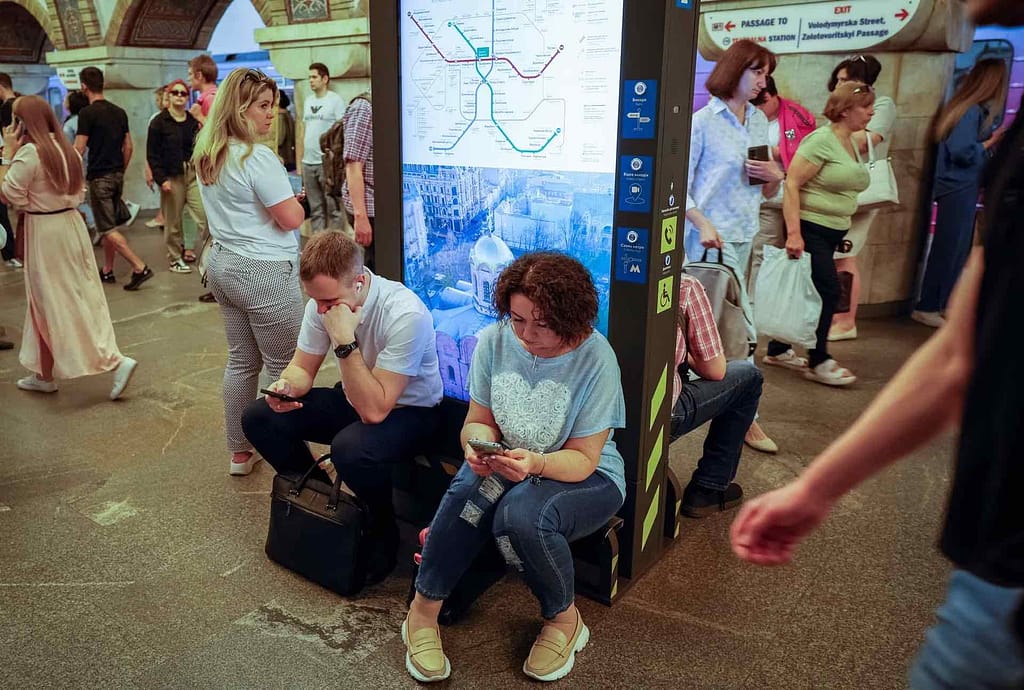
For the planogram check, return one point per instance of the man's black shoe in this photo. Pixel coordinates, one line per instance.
(138, 278)
(107, 276)
(700, 502)
(6, 345)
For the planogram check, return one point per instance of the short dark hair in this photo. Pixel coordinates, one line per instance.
(558, 285)
(741, 56)
(5, 81)
(769, 90)
(204, 65)
(76, 101)
(285, 101)
(861, 67)
(332, 254)
(92, 79)
(321, 69)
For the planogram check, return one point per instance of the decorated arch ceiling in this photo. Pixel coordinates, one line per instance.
(170, 23)
(22, 38)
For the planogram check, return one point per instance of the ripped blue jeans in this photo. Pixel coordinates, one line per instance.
(532, 525)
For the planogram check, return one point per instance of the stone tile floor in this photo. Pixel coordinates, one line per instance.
(129, 557)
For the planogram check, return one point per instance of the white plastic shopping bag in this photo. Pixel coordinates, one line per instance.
(787, 307)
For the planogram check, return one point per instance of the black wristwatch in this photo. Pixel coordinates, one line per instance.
(343, 351)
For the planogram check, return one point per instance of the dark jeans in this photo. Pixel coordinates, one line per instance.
(5, 226)
(363, 454)
(532, 525)
(821, 243)
(951, 244)
(730, 404)
(368, 252)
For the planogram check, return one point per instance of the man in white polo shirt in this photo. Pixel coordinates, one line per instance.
(320, 109)
(385, 406)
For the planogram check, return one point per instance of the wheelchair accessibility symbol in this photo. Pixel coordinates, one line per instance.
(665, 294)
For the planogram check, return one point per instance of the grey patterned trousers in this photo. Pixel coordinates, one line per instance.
(261, 303)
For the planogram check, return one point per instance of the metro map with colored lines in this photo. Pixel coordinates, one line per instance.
(532, 85)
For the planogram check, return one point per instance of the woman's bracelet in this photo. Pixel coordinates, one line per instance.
(535, 478)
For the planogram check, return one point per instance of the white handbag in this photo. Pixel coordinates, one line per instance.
(883, 188)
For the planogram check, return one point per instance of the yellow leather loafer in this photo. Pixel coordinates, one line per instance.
(552, 655)
(424, 658)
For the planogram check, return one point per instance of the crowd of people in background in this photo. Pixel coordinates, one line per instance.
(538, 475)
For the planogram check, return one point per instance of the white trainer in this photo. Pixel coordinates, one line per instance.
(122, 375)
(36, 384)
(932, 319)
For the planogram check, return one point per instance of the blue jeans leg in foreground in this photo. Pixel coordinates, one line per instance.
(531, 523)
(975, 643)
(730, 404)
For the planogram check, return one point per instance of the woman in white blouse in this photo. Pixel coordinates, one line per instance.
(864, 69)
(724, 195)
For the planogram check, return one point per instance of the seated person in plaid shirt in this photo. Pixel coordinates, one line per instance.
(726, 394)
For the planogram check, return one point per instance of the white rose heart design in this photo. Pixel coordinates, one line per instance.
(530, 418)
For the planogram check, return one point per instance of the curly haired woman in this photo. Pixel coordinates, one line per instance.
(545, 384)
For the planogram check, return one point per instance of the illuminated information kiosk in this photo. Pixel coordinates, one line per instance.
(504, 128)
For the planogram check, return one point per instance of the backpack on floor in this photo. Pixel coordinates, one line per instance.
(724, 292)
(332, 145)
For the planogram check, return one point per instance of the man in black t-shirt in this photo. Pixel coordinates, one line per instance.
(6, 117)
(103, 129)
(971, 374)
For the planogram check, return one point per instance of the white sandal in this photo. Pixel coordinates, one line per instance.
(787, 360)
(831, 374)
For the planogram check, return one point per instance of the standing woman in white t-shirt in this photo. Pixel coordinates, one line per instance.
(253, 267)
(865, 69)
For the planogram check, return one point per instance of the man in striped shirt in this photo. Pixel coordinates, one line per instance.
(726, 394)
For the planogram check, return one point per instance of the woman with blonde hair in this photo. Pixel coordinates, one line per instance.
(252, 267)
(68, 332)
(822, 183)
(965, 131)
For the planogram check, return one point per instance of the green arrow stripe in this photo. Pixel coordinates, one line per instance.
(649, 520)
(659, 396)
(655, 458)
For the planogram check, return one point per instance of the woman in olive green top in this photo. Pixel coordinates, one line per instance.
(822, 184)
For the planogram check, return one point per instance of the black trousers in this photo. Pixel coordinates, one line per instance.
(363, 454)
(821, 243)
(368, 253)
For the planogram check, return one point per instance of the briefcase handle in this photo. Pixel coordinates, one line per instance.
(704, 256)
(332, 501)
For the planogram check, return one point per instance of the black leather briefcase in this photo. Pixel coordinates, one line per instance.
(318, 531)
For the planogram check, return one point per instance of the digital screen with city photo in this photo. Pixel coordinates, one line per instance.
(509, 125)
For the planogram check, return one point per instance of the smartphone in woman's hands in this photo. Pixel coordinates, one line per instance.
(486, 447)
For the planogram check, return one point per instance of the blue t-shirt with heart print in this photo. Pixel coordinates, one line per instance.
(540, 403)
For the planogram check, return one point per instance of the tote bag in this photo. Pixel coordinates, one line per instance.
(883, 188)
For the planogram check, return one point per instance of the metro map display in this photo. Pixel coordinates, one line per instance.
(509, 130)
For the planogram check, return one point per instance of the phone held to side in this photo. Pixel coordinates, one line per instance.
(758, 153)
(278, 395)
(486, 447)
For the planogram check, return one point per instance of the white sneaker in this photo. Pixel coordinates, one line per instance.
(122, 375)
(133, 211)
(241, 469)
(180, 266)
(13, 263)
(36, 384)
(932, 319)
(153, 224)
